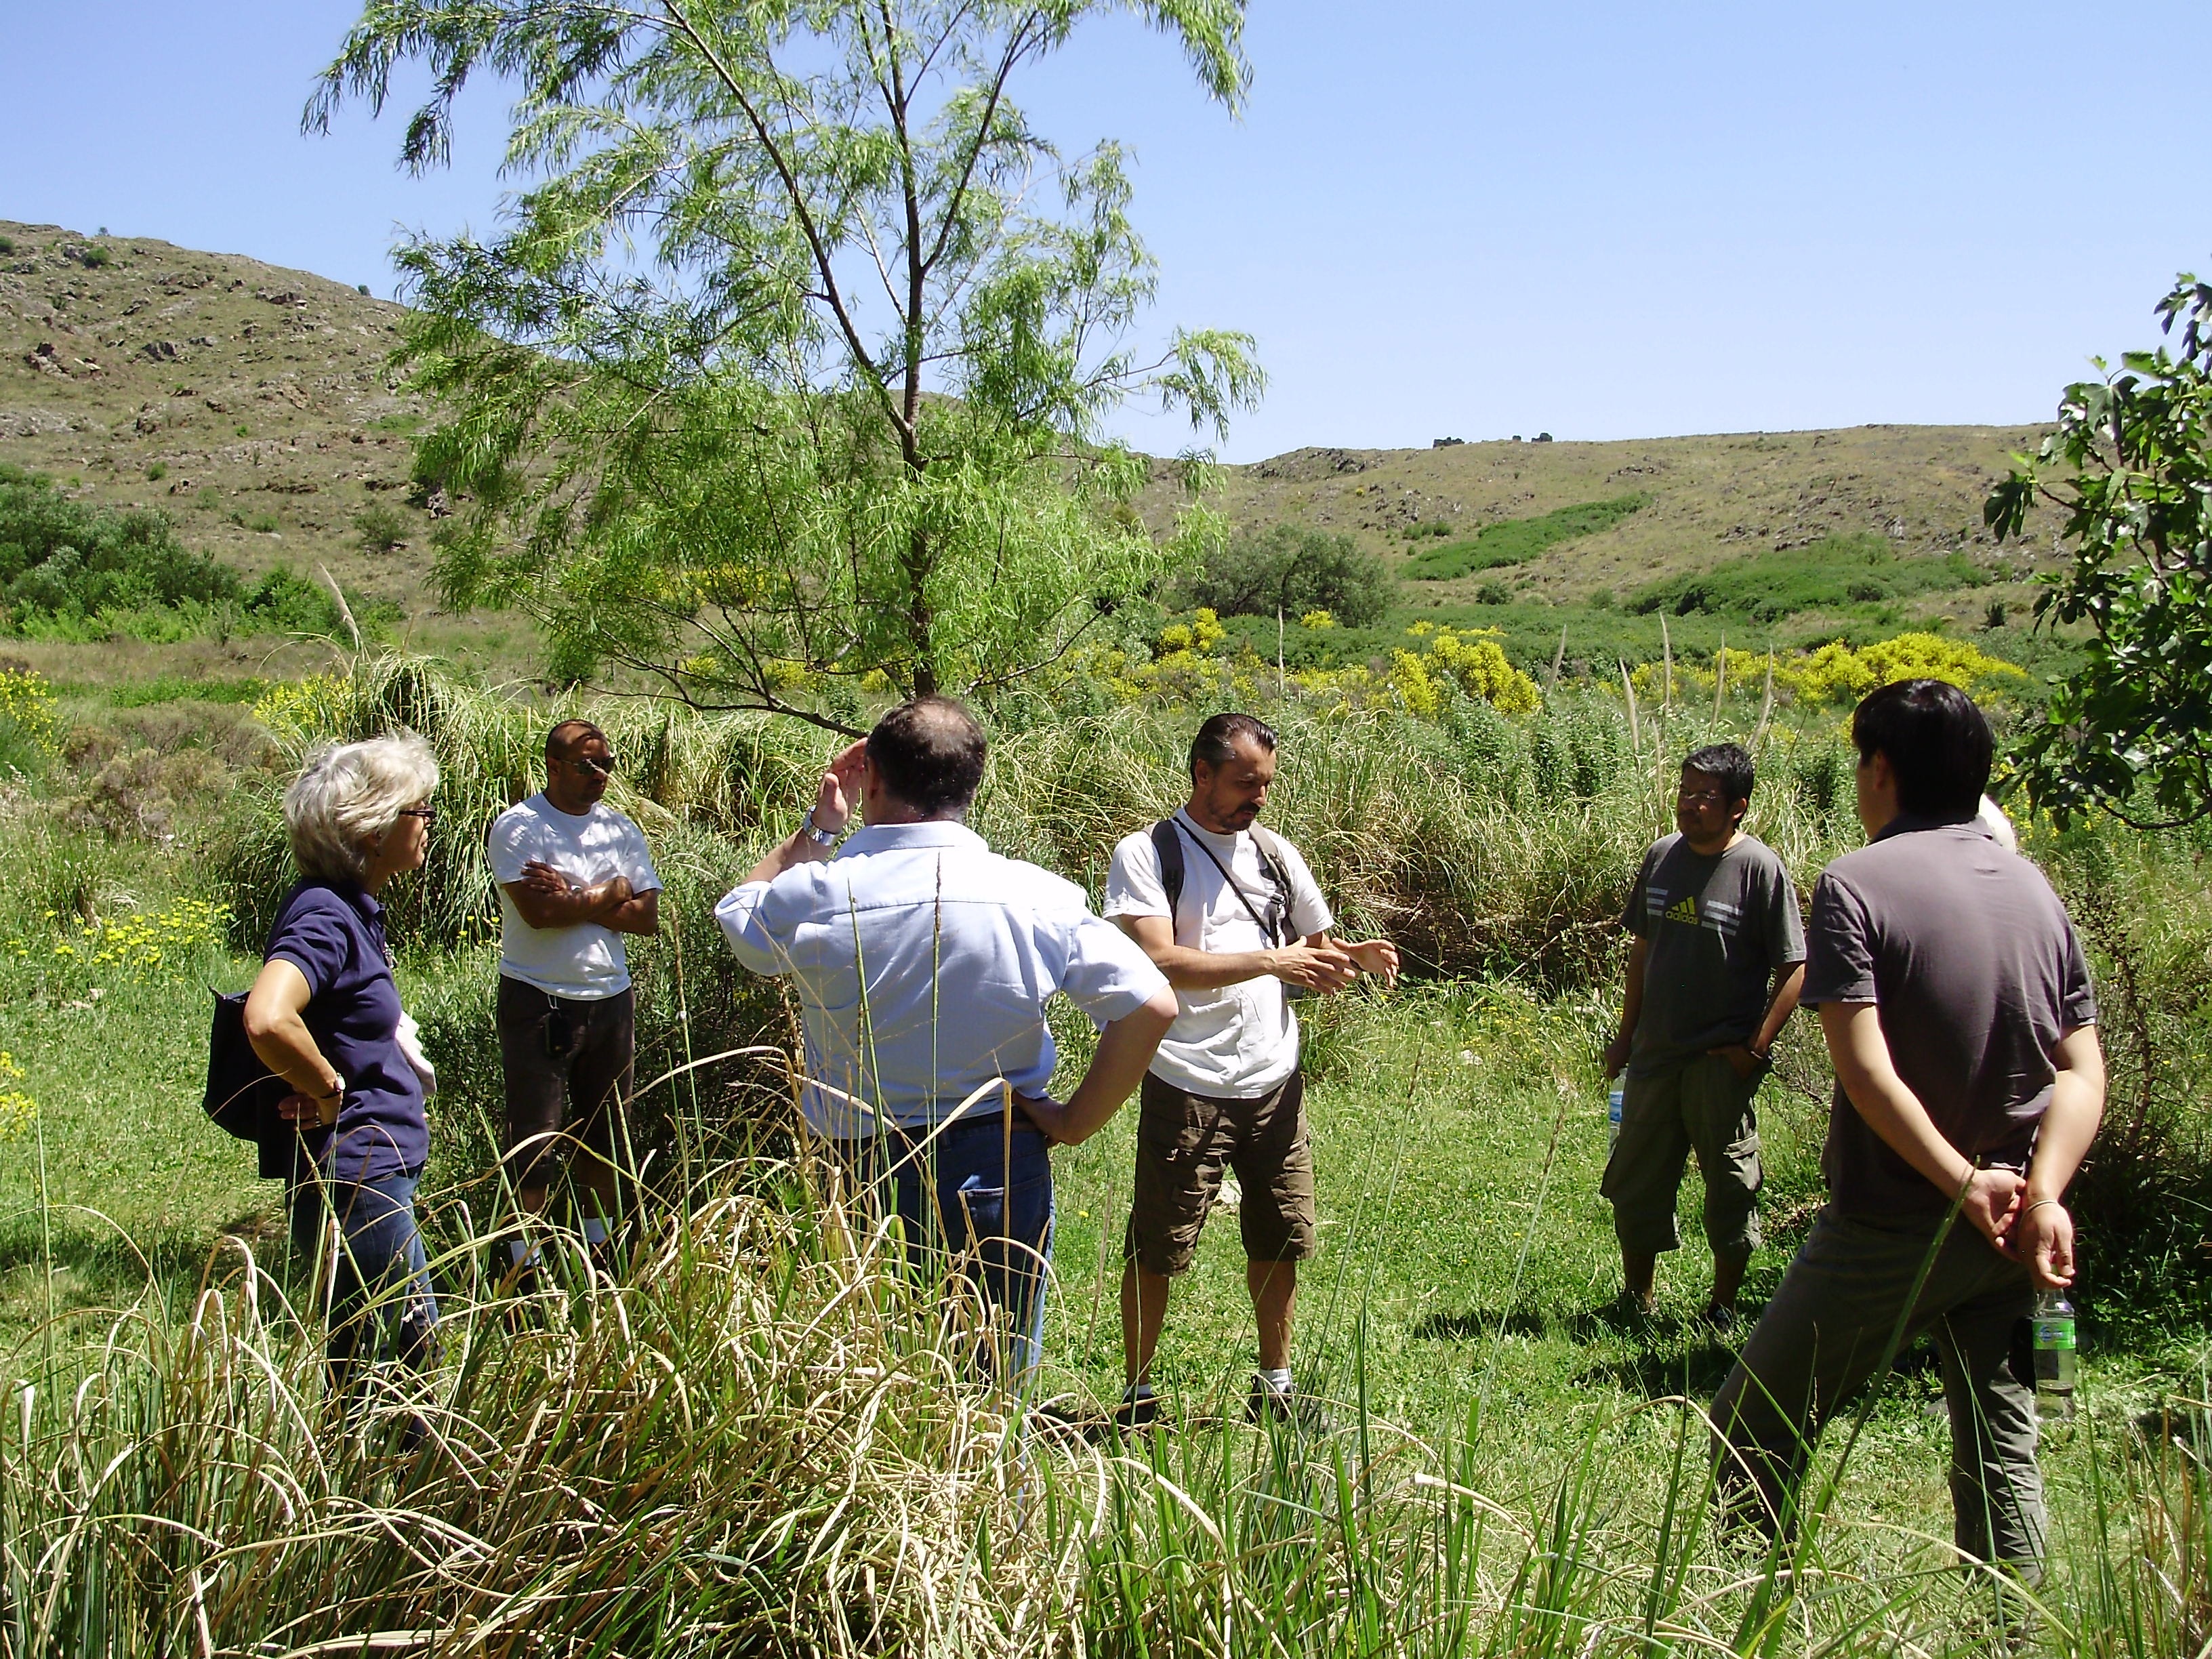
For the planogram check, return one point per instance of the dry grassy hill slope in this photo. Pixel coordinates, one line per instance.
(255, 405)
(260, 395)
(1709, 498)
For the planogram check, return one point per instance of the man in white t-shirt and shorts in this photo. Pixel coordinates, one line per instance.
(1230, 914)
(575, 876)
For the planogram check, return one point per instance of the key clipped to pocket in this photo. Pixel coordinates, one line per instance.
(556, 1028)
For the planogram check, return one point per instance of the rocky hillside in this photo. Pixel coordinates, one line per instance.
(252, 403)
(1707, 498)
(255, 405)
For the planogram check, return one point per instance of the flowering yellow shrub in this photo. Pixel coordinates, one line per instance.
(1415, 680)
(1199, 636)
(1837, 673)
(1473, 657)
(18, 1111)
(303, 709)
(26, 702)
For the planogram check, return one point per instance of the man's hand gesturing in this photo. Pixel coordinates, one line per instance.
(1323, 967)
(1375, 955)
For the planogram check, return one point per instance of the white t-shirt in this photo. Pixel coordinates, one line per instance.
(584, 961)
(1241, 1041)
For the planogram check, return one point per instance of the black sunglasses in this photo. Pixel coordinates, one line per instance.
(605, 767)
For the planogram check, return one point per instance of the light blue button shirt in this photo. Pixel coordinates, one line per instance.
(923, 962)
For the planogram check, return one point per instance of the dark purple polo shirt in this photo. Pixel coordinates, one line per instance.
(335, 937)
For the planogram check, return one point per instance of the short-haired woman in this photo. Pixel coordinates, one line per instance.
(324, 1015)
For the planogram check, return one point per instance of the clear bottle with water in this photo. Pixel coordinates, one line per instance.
(1612, 1117)
(2053, 1321)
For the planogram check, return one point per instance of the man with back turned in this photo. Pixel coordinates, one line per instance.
(1956, 1003)
(923, 962)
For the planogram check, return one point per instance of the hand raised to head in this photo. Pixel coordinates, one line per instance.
(839, 795)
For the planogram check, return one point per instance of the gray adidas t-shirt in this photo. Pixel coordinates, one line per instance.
(1719, 926)
(1977, 971)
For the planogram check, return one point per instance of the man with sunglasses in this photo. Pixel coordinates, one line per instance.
(1715, 959)
(575, 876)
(1231, 915)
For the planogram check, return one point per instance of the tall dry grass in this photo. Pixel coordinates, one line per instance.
(761, 1439)
(1486, 844)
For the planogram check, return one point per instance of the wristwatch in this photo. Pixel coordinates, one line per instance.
(815, 833)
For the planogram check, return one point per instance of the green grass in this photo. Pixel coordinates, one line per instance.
(1516, 541)
(761, 1435)
(1834, 574)
(175, 688)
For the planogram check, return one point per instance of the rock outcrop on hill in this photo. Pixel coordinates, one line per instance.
(253, 404)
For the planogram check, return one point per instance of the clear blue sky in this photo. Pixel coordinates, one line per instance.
(1604, 220)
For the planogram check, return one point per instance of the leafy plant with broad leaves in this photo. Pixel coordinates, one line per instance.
(2130, 465)
(789, 369)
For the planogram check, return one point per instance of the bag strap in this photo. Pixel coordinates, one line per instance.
(1269, 845)
(1167, 843)
(1175, 834)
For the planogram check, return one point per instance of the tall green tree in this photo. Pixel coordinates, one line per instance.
(2129, 465)
(790, 364)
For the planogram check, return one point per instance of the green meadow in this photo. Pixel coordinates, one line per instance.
(757, 1439)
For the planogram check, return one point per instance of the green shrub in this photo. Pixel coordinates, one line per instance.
(157, 471)
(1432, 527)
(209, 498)
(381, 528)
(1292, 568)
(264, 524)
(63, 559)
(1516, 541)
(1833, 572)
(7, 244)
(94, 256)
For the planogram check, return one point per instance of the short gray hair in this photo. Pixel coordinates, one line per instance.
(348, 796)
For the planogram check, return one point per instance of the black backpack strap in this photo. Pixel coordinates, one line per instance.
(1268, 930)
(1264, 843)
(1167, 842)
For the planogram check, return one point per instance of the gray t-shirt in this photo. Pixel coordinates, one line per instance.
(1977, 972)
(1719, 926)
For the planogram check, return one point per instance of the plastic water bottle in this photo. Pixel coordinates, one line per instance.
(2053, 1320)
(1613, 1121)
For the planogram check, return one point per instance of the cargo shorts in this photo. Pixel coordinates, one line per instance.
(1703, 1108)
(1184, 1140)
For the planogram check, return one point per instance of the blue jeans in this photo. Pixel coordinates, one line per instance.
(380, 1272)
(978, 1201)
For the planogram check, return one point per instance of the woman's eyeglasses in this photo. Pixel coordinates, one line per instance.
(427, 814)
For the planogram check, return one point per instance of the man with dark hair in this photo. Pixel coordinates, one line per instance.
(1230, 914)
(923, 962)
(574, 876)
(1715, 957)
(1958, 1011)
